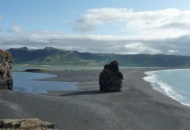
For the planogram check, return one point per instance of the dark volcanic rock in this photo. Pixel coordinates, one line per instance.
(110, 79)
(33, 70)
(6, 81)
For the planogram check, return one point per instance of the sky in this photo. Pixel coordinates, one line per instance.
(98, 26)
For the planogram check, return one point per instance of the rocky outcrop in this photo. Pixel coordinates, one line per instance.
(6, 81)
(110, 79)
(25, 124)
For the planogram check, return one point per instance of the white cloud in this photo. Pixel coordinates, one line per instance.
(15, 29)
(137, 48)
(165, 23)
(174, 52)
(94, 17)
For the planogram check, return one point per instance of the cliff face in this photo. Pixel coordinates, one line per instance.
(6, 81)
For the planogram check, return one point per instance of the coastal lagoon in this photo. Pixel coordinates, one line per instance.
(174, 83)
(28, 82)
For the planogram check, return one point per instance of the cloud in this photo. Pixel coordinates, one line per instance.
(99, 43)
(148, 32)
(140, 48)
(94, 17)
(15, 29)
(174, 52)
(166, 23)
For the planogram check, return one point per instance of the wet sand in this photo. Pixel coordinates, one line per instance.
(137, 107)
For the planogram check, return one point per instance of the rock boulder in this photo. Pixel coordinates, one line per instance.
(6, 81)
(110, 79)
(25, 124)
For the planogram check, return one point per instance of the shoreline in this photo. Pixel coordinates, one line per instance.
(156, 85)
(137, 106)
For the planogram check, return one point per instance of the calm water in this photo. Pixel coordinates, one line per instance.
(59, 67)
(53, 67)
(174, 83)
(27, 82)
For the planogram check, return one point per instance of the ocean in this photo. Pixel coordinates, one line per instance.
(173, 83)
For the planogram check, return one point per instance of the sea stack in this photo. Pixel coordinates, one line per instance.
(110, 79)
(6, 81)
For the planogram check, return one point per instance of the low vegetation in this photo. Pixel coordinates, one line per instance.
(53, 56)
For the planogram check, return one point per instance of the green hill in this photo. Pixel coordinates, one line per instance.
(50, 55)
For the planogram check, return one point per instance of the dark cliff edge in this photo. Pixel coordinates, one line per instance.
(6, 81)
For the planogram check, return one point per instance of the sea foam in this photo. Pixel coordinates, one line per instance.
(173, 83)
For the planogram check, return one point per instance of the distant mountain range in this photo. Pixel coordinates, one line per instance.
(50, 55)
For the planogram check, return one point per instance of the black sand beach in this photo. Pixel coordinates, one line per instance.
(137, 107)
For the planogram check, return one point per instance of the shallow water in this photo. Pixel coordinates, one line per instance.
(29, 83)
(53, 67)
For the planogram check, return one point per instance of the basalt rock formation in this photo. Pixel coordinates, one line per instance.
(110, 79)
(6, 81)
(25, 124)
